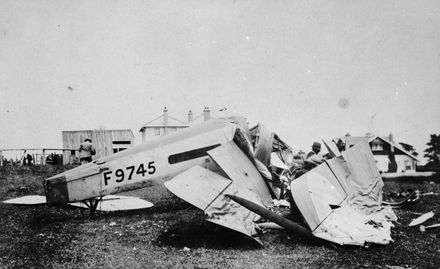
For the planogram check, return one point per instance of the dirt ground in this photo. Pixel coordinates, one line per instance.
(173, 234)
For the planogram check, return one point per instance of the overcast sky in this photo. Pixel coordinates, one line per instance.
(306, 69)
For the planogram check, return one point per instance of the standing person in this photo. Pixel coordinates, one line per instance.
(29, 159)
(86, 150)
(23, 158)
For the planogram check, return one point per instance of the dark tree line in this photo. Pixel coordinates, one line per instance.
(433, 152)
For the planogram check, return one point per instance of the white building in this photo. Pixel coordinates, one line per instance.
(166, 124)
(390, 157)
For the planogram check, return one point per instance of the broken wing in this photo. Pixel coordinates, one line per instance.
(208, 190)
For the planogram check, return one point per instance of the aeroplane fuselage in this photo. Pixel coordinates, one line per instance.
(144, 165)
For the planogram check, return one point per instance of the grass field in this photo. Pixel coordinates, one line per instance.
(173, 234)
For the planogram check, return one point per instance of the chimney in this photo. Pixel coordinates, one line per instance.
(165, 120)
(347, 143)
(190, 116)
(165, 116)
(206, 114)
(391, 138)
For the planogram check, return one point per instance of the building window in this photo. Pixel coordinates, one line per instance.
(408, 165)
(377, 145)
(156, 131)
(115, 150)
(121, 142)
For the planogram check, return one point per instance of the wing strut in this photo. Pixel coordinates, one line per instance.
(92, 204)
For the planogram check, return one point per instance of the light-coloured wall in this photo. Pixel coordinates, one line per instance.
(382, 162)
(401, 167)
(148, 133)
(102, 141)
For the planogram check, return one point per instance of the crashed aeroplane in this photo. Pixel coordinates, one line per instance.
(233, 174)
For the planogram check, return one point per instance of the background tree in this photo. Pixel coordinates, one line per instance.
(433, 151)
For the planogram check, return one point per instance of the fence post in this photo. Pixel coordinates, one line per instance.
(43, 159)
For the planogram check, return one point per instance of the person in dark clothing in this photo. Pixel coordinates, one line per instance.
(316, 148)
(29, 159)
(86, 151)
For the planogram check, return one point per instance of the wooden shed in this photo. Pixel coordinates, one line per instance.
(106, 142)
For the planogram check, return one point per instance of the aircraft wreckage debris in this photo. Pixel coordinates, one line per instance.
(233, 174)
(423, 228)
(421, 219)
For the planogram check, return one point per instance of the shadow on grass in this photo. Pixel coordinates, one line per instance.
(198, 234)
(158, 208)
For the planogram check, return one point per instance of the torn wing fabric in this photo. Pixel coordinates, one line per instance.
(332, 218)
(225, 212)
(205, 190)
(360, 178)
(364, 179)
(359, 218)
(346, 226)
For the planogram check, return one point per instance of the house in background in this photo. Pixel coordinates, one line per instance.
(106, 142)
(390, 156)
(166, 124)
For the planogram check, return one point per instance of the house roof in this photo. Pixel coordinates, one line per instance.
(160, 122)
(352, 140)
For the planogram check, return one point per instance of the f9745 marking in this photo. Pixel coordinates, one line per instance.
(127, 174)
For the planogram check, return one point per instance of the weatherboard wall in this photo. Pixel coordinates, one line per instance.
(151, 132)
(404, 163)
(106, 142)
